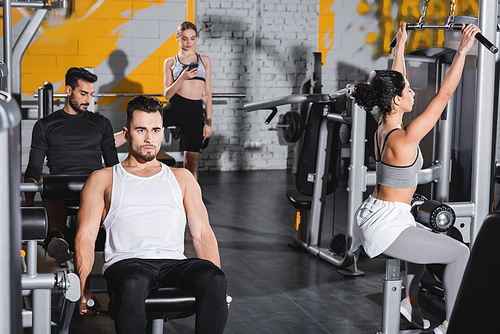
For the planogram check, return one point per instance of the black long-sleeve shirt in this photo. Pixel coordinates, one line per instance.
(73, 144)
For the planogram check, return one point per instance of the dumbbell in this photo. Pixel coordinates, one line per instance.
(437, 216)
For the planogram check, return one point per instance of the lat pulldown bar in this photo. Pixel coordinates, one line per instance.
(454, 26)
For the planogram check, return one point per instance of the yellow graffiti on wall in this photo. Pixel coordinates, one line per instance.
(383, 10)
(148, 76)
(17, 15)
(326, 23)
(409, 11)
(85, 39)
(85, 36)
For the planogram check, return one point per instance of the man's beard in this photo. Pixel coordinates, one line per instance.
(75, 106)
(146, 156)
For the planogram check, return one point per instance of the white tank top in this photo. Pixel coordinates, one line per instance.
(146, 218)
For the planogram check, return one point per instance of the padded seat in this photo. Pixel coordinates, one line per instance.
(298, 200)
(476, 306)
(164, 304)
(170, 303)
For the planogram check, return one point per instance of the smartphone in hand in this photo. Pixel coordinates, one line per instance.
(192, 66)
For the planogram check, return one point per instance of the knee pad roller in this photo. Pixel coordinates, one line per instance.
(433, 214)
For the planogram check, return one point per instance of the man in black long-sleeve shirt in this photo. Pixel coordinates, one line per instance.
(73, 140)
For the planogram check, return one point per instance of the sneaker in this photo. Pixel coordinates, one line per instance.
(414, 315)
(441, 329)
(58, 248)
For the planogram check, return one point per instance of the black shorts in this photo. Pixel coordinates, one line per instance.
(189, 116)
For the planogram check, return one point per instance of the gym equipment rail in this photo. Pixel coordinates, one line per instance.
(10, 216)
(320, 178)
(449, 25)
(454, 26)
(359, 176)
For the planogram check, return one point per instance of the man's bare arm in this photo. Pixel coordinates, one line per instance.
(90, 214)
(204, 241)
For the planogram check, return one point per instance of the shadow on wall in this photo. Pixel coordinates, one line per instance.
(234, 73)
(108, 106)
(348, 74)
(289, 66)
(118, 62)
(230, 157)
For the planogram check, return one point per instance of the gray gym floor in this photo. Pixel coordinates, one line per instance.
(275, 288)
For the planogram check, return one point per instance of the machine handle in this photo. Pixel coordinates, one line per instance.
(271, 116)
(480, 38)
(409, 26)
(456, 26)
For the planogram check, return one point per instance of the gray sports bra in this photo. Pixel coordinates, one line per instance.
(395, 176)
(179, 67)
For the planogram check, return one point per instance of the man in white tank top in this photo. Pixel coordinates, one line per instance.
(143, 206)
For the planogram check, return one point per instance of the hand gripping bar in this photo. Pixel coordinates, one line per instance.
(454, 26)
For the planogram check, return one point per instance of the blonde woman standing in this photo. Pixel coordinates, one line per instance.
(187, 87)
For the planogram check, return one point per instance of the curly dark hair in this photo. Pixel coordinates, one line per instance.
(145, 103)
(380, 91)
(76, 73)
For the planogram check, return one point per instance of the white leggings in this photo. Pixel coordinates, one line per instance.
(418, 247)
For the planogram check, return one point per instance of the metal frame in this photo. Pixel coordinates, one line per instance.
(315, 218)
(482, 165)
(214, 95)
(13, 56)
(7, 41)
(10, 216)
(22, 44)
(40, 286)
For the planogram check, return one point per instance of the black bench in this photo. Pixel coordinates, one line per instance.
(163, 304)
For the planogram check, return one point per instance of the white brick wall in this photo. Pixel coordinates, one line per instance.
(259, 48)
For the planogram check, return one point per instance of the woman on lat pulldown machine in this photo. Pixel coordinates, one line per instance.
(385, 220)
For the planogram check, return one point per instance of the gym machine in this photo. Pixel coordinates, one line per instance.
(32, 224)
(477, 168)
(13, 55)
(449, 25)
(10, 216)
(317, 174)
(40, 286)
(472, 168)
(318, 170)
(290, 124)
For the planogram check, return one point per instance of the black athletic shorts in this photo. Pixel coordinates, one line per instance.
(189, 116)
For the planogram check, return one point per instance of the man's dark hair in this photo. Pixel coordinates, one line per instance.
(76, 73)
(145, 103)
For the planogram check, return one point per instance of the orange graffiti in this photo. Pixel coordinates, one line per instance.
(409, 11)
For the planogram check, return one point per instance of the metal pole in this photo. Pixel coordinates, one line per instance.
(320, 182)
(7, 41)
(445, 133)
(357, 168)
(31, 265)
(41, 311)
(41, 102)
(10, 217)
(5, 320)
(482, 163)
(22, 44)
